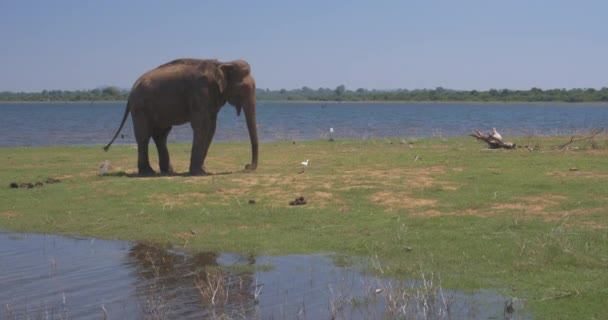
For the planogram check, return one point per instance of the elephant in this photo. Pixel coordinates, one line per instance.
(188, 90)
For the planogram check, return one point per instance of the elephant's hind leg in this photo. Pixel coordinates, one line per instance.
(142, 137)
(160, 139)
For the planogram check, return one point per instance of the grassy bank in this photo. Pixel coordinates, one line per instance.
(533, 224)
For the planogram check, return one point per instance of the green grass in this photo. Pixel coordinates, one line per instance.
(526, 223)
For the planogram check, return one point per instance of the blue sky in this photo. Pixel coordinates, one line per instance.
(464, 44)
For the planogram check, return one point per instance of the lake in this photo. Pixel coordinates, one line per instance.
(44, 124)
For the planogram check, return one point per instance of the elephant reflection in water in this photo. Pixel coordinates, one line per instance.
(172, 282)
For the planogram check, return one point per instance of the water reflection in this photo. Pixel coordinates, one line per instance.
(180, 286)
(54, 277)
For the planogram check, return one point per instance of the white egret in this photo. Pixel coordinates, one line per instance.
(495, 134)
(304, 165)
(104, 168)
(331, 134)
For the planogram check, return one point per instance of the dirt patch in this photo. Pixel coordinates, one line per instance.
(11, 214)
(547, 198)
(272, 189)
(323, 195)
(230, 192)
(535, 205)
(403, 171)
(579, 174)
(178, 200)
(352, 187)
(316, 199)
(541, 206)
(435, 213)
(426, 214)
(584, 211)
(110, 192)
(274, 181)
(594, 225)
(278, 189)
(549, 216)
(400, 200)
(184, 235)
(400, 177)
(322, 199)
(529, 207)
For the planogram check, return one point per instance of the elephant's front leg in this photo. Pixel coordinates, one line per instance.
(209, 137)
(160, 139)
(200, 144)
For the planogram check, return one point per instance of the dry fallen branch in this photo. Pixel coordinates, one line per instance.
(493, 142)
(572, 140)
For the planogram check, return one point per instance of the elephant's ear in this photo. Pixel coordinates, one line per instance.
(234, 72)
(222, 77)
(232, 77)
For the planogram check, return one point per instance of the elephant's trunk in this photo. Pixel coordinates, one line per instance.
(249, 108)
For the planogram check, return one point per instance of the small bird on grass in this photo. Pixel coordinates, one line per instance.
(104, 167)
(304, 165)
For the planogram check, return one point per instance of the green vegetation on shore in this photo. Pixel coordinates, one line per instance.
(532, 224)
(340, 93)
(436, 95)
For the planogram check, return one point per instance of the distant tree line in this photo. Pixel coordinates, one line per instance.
(100, 94)
(340, 93)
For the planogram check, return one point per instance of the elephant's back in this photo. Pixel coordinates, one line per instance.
(176, 74)
(191, 62)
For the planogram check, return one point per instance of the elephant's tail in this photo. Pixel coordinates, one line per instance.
(122, 123)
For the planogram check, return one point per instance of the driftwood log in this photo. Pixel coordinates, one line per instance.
(493, 142)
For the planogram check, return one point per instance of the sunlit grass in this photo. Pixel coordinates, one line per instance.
(533, 223)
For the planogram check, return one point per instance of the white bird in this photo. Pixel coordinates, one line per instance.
(331, 130)
(304, 165)
(331, 134)
(495, 134)
(104, 168)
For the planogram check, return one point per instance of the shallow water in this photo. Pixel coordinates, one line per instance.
(55, 277)
(43, 124)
